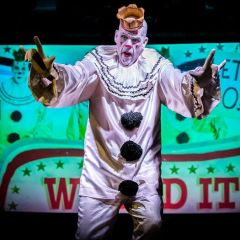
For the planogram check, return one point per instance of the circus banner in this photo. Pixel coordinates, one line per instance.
(42, 149)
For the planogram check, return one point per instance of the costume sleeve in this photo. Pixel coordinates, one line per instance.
(71, 85)
(180, 92)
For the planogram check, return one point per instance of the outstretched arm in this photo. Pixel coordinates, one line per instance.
(207, 78)
(194, 93)
(45, 89)
(59, 85)
(209, 72)
(41, 64)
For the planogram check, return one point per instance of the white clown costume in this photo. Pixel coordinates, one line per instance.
(114, 152)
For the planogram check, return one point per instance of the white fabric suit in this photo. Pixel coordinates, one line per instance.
(112, 91)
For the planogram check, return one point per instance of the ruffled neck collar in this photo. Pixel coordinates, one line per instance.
(135, 81)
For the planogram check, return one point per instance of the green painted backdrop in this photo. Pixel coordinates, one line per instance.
(41, 149)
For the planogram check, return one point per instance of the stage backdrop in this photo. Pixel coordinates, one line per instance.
(41, 150)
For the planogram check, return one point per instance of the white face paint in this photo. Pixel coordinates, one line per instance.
(20, 71)
(130, 45)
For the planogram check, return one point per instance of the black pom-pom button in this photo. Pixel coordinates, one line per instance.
(131, 151)
(128, 188)
(131, 120)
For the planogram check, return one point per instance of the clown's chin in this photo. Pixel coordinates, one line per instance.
(126, 59)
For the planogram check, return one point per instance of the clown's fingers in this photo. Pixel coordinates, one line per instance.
(221, 65)
(39, 46)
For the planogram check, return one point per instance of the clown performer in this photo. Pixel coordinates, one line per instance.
(125, 84)
(21, 116)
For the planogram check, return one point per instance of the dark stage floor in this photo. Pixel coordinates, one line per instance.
(62, 226)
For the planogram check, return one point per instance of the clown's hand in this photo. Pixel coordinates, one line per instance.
(43, 76)
(41, 64)
(208, 73)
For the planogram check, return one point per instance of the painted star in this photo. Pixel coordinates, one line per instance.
(174, 169)
(230, 168)
(12, 206)
(220, 46)
(210, 169)
(192, 169)
(26, 172)
(202, 49)
(7, 49)
(41, 166)
(15, 189)
(80, 164)
(59, 164)
(188, 53)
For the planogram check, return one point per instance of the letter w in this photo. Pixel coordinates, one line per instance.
(62, 191)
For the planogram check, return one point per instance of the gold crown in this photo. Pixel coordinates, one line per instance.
(19, 55)
(131, 17)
